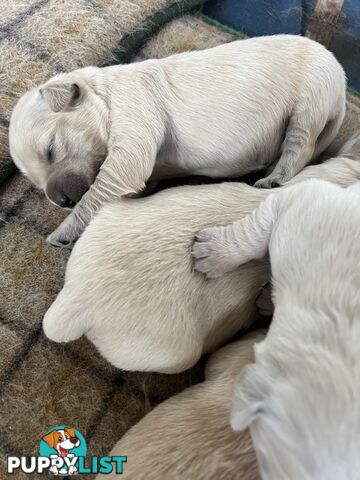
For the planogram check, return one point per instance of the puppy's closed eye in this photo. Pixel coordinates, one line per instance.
(50, 152)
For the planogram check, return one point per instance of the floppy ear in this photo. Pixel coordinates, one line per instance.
(70, 431)
(251, 397)
(60, 96)
(50, 438)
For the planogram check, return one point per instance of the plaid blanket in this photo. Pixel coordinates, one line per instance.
(43, 384)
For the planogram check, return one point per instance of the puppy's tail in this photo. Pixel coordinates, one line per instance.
(64, 322)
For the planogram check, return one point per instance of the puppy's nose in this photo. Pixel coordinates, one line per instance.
(74, 440)
(65, 202)
(66, 189)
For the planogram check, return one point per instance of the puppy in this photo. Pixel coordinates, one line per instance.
(301, 398)
(189, 436)
(98, 134)
(130, 286)
(62, 441)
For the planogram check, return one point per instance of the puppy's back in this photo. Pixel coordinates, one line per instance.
(189, 436)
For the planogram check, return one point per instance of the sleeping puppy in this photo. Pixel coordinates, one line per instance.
(189, 436)
(130, 286)
(97, 134)
(301, 398)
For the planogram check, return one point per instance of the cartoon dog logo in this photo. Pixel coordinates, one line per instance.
(62, 440)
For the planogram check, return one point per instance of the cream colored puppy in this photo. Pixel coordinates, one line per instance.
(130, 286)
(301, 398)
(189, 436)
(98, 134)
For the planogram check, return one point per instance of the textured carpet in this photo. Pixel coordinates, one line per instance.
(43, 384)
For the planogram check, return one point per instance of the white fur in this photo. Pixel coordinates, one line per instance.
(301, 398)
(219, 112)
(130, 285)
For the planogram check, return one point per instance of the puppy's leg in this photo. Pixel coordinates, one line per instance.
(270, 169)
(103, 190)
(124, 172)
(218, 250)
(129, 163)
(305, 139)
(297, 150)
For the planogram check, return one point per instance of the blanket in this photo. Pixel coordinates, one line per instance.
(43, 384)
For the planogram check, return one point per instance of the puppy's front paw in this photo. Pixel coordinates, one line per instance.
(67, 233)
(211, 253)
(275, 179)
(54, 470)
(72, 470)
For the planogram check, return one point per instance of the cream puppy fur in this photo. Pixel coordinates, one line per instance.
(189, 436)
(130, 286)
(301, 398)
(98, 134)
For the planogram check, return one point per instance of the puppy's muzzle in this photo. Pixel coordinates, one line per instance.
(75, 441)
(66, 190)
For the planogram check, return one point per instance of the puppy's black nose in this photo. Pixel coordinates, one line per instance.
(74, 440)
(65, 202)
(66, 189)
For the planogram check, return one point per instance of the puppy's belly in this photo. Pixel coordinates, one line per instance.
(174, 162)
(234, 169)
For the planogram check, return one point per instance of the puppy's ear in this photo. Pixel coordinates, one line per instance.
(70, 431)
(251, 397)
(50, 438)
(60, 96)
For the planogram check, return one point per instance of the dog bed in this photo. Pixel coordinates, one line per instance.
(43, 384)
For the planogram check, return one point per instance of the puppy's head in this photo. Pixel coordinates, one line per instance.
(62, 440)
(302, 425)
(58, 135)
